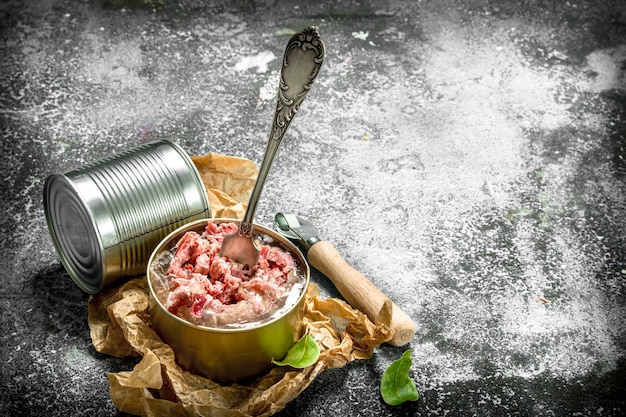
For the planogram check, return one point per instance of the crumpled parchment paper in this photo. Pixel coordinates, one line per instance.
(157, 386)
(228, 181)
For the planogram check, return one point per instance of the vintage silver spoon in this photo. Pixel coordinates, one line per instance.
(302, 60)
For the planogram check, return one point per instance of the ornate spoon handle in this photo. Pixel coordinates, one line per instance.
(303, 58)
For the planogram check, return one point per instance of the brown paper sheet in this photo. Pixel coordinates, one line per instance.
(228, 181)
(157, 386)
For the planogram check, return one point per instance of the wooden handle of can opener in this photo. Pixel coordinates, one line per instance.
(359, 291)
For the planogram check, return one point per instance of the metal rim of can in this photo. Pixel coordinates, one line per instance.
(80, 248)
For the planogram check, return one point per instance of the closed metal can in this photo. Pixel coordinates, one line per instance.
(106, 218)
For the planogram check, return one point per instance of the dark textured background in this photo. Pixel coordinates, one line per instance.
(466, 156)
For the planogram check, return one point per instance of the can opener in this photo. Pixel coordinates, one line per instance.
(357, 290)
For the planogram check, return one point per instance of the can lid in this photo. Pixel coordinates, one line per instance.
(73, 233)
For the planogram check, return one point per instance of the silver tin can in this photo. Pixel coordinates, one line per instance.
(106, 218)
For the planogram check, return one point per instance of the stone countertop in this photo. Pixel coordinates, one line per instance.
(466, 156)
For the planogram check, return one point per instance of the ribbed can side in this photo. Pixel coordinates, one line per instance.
(145, 192)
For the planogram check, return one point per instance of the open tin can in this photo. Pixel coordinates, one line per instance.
(106, 218)
(229, 354)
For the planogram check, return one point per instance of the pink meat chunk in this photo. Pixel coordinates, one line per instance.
(202, 282)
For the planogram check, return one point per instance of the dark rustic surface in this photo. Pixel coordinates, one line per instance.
(467, 156)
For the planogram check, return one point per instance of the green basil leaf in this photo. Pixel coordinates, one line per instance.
(396, 386)
(304, 353)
